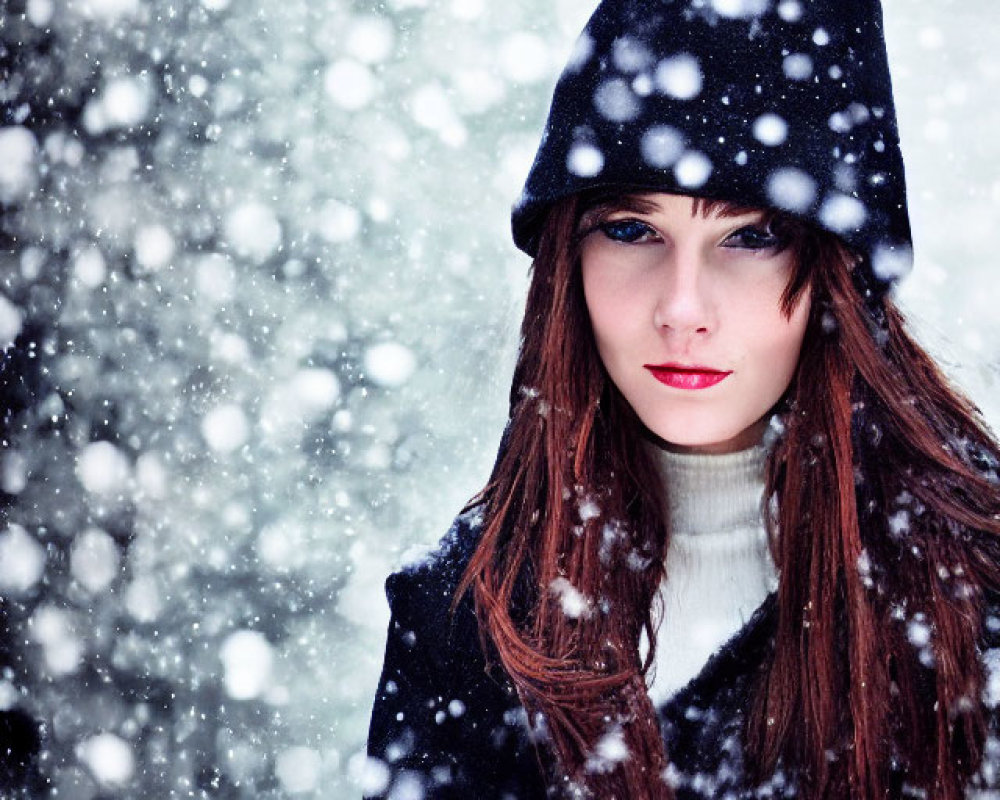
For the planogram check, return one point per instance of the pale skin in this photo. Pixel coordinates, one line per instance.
(700, 294)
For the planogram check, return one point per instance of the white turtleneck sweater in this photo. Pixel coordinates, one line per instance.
(718, 567)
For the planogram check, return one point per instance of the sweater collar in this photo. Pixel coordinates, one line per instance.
(712, 493)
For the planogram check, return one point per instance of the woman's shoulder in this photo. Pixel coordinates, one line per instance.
(435, 575)
(443, 724)
(421, 594)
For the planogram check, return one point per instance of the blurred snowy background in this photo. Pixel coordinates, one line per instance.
(259, 306)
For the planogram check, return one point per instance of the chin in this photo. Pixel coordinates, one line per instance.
(688, 439)
(706, 438)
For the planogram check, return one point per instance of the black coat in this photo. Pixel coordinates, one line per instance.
(440, 720)
(441, 723)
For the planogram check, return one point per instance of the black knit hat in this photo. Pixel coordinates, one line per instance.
(773, 103)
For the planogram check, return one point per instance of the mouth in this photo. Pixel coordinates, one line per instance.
(687, 377)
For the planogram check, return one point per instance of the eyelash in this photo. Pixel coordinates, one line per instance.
(633, 231)
(626, 231)
(761, 238)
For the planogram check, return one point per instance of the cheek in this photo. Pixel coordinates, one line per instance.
(620, 324)
(782, 341)
(619, 288)
(609, 305)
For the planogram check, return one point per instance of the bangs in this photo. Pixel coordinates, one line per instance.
(596, 204)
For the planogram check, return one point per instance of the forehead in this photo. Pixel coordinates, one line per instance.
(609, 201)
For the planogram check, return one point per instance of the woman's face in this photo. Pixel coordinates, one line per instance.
(687, 315)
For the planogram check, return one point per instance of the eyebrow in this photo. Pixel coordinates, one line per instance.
(723, 208)
(600, 210)
(638, 203)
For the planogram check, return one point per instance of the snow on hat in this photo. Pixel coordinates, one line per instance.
(783, 104)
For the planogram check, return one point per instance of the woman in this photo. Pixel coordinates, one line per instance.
(741, 536)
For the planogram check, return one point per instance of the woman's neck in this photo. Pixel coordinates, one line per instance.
(718, 566)
(708, 493)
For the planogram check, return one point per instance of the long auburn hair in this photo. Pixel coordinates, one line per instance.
(883, 512)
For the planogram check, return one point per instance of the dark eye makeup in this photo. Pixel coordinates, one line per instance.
(749, 237)
(626, 230)
(754, 237)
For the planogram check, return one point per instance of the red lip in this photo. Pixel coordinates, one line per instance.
(690, 377)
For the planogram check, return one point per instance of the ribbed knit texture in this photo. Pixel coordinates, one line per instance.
(719, 568)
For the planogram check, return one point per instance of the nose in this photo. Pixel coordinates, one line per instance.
(683, 304)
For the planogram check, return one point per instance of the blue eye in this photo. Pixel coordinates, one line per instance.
(752, 237)
(628, 231)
